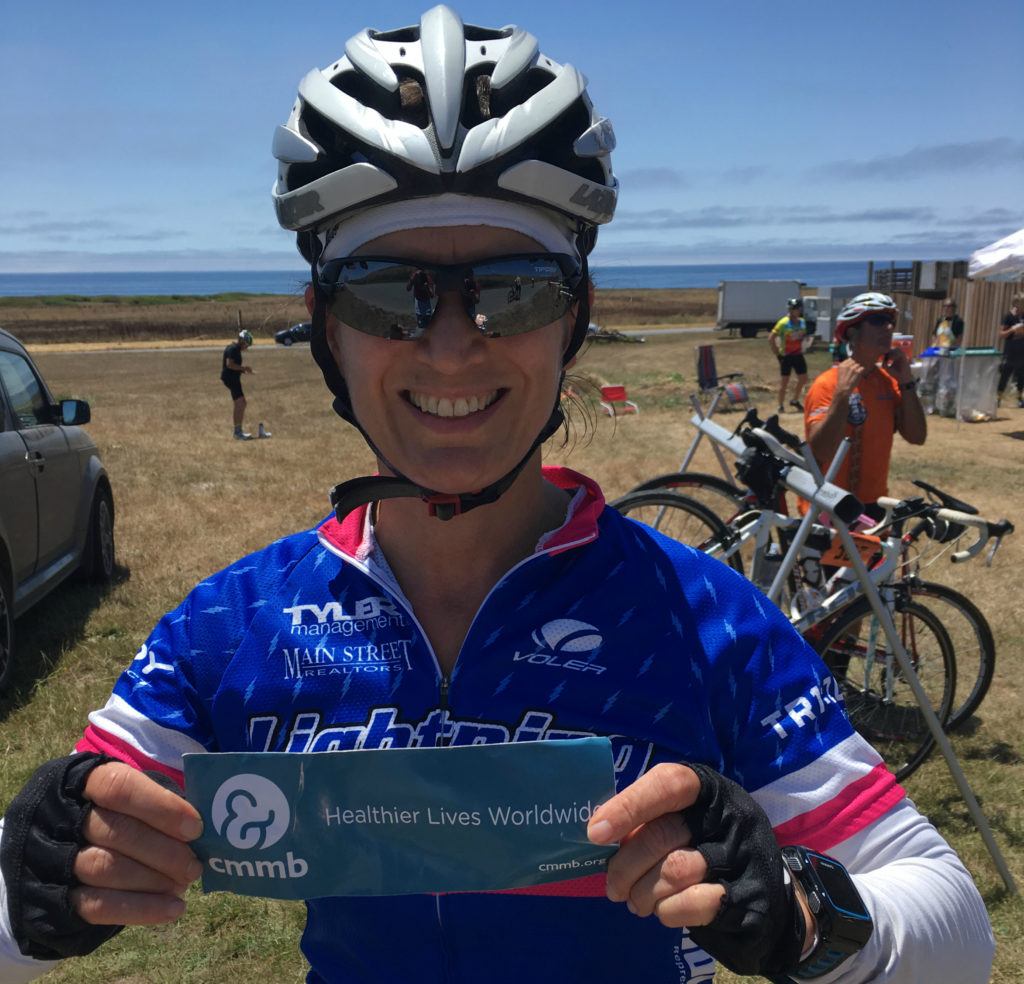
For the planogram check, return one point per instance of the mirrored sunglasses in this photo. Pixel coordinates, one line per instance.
(880, 320)
(502, 296)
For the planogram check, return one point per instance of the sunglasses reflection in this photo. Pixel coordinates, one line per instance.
(424, 291)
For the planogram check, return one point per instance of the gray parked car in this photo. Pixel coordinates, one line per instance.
(56, 508)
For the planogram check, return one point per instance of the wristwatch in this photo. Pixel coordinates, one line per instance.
(844, 924)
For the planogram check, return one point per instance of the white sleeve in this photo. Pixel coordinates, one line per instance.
(15, 967)
(930, 921)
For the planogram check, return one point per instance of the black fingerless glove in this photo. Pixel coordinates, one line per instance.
(42, 835)
(759, 928)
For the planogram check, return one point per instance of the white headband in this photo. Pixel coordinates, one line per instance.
(554, 232)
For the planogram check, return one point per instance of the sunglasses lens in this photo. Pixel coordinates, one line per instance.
(397, 300)
(380, 297)
(879, 321)
(519, 294)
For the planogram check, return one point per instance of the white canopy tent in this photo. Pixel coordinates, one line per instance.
(1001, 260)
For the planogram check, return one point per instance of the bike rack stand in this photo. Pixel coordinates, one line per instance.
(806, 480)
(699, 410)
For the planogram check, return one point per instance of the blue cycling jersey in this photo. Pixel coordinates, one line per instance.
(608, 628)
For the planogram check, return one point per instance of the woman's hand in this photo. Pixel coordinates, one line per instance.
(697, 851)
(656, 871)
(136, 863)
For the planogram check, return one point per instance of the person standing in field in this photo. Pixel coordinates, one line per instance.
(465, 151)
(787, 342)
(868, 398)
(231, 372)
(1012, 334)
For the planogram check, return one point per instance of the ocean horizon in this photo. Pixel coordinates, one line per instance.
(205, 282)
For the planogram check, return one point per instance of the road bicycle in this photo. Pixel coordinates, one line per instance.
(939, 627)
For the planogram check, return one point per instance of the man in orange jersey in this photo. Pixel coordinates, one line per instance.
(867, 398)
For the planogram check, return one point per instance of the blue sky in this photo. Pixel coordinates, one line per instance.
(137, 135)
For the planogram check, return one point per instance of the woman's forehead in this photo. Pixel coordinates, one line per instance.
(449, 244)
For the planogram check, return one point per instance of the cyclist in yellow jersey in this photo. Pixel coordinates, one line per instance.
(787, 341)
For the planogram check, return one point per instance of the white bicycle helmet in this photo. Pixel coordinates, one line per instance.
(442, 107)
(860, 307)
(438, 109)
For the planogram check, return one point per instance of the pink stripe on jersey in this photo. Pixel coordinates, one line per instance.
(856, 805)
(582, 523)
(588, 887)
(348, 535)
(95, 740)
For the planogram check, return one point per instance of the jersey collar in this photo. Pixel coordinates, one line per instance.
(351, 537)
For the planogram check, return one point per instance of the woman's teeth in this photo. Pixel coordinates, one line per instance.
(443, 407)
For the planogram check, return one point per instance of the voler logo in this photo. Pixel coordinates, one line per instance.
(565, 644)
(250, 812)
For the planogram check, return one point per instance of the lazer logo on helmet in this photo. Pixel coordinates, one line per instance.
(594, 199)
(565, 644)
(252, 813)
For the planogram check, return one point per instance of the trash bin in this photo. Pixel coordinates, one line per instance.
(939, 377)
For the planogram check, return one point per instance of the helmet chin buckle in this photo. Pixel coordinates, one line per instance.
(444, 506)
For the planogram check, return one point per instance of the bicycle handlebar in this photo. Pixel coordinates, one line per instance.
(947, 500)
(987, 529)
(785, 437)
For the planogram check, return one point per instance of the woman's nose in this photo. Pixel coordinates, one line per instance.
(452, 339)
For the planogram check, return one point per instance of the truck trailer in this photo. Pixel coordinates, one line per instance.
(748, 306)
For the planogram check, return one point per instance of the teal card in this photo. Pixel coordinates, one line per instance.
(399, 821)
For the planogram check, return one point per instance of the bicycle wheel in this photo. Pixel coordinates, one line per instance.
(682, 518)
(974, 647)
(878, 697)
(723, 498)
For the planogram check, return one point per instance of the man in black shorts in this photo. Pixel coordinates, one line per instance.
(231, 373)
(787, 342)
(1012, 334)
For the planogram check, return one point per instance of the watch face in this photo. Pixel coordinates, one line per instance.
(839, 886)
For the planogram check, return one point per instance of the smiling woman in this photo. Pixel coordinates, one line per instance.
(446, 182)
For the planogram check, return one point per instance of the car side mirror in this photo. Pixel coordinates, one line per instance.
(74, 412)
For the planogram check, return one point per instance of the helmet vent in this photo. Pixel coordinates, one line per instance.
(403, 35)
(413, 107)
(518, 90)
(474, 33)
(476, 97)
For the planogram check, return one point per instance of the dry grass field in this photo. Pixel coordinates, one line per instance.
(190, 500)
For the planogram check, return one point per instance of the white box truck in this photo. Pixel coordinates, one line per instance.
(748, 306)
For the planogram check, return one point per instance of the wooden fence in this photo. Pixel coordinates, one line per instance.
(981, 303)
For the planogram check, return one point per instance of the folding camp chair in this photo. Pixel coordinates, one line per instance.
(614, 401)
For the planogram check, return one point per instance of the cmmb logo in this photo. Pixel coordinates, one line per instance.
(252, 813)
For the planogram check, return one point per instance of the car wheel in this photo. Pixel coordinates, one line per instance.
(98, 562)
(6, 634)
(748, 331)
(287, 342)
